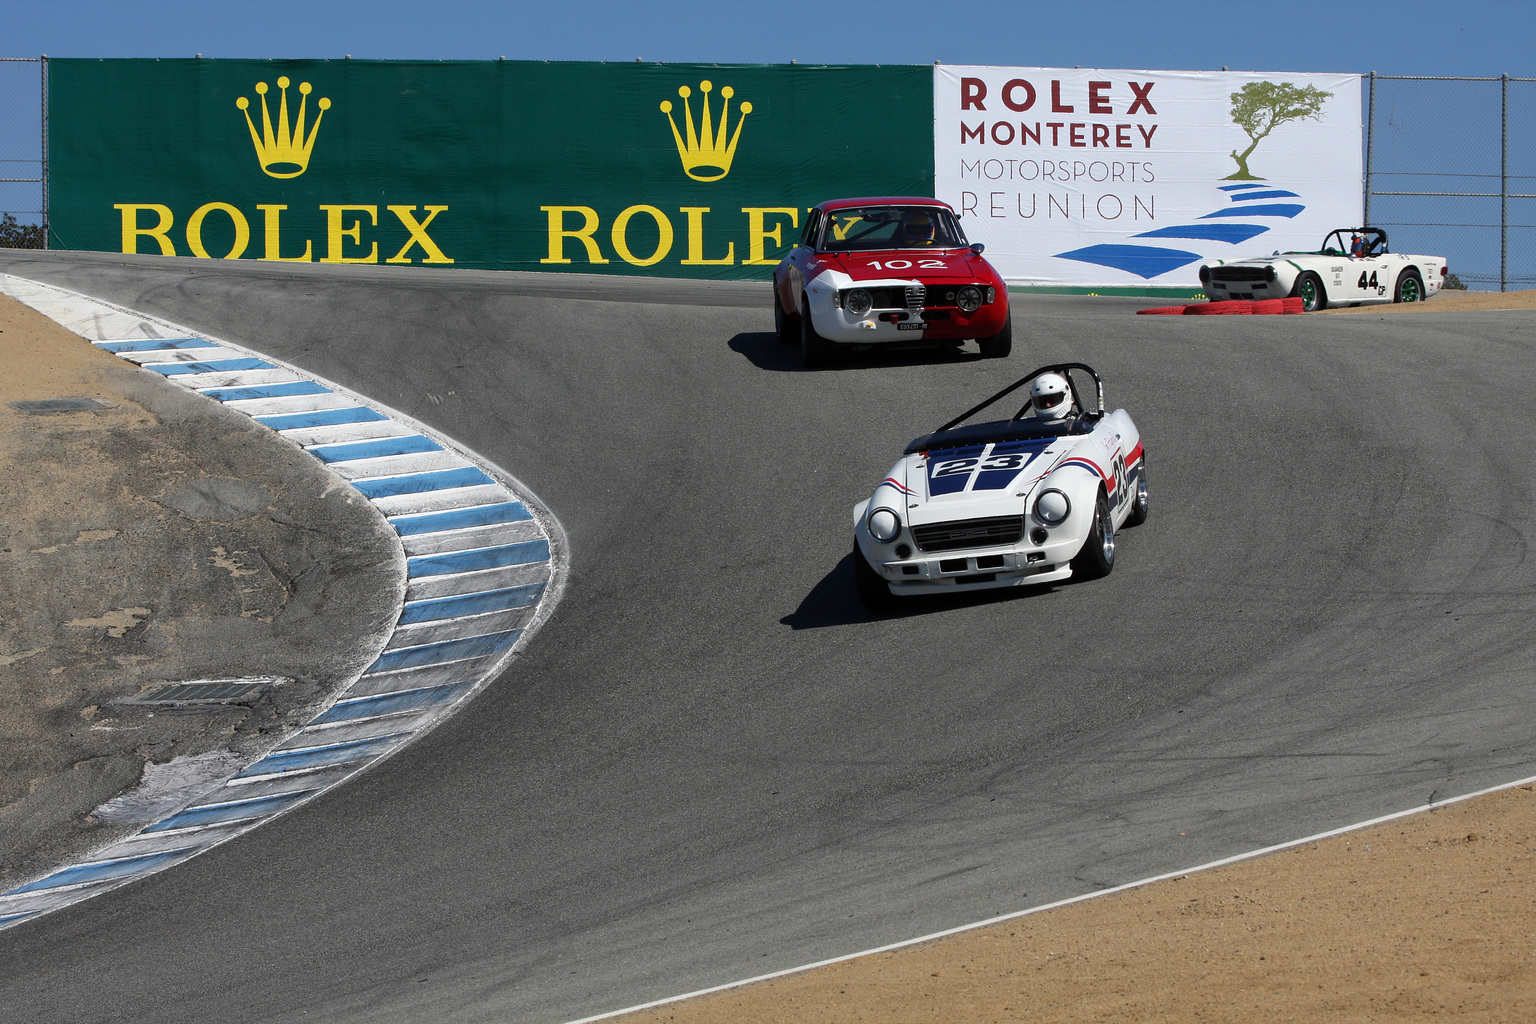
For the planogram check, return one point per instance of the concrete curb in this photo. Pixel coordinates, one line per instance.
(485, 568)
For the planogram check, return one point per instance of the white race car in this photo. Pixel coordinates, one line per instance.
(1035, 498)
(1353, 266)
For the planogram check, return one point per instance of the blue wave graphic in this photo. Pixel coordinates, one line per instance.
(1145, 261)
(1232, 234)
(1149, 261)
(1272, 210)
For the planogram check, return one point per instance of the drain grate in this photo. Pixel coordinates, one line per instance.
(60, 405)
(209, 691)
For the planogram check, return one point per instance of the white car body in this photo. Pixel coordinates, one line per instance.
(1340, 279)
(967, 499)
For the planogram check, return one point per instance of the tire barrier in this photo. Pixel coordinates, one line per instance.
(1229, 307)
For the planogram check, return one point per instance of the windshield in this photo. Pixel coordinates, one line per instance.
(891, 227)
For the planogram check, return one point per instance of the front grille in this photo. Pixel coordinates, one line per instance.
(969, 533)
(1240, 274)
(935, 297)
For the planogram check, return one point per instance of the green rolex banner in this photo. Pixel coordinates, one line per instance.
(672, 170)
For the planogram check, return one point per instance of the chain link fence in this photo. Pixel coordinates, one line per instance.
(23, 152)
(1450, 170)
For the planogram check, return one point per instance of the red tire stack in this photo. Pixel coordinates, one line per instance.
(1229, 307)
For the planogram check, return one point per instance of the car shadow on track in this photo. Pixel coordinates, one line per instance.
(834, 601)
(765, 351)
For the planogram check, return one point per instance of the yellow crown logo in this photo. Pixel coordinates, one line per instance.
(705, 155)
(283, 154)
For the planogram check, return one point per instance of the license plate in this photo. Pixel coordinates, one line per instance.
(912, 325)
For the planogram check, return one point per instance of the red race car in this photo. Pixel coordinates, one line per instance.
(887, 270)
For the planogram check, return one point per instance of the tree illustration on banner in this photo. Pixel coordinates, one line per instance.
(1261, 107)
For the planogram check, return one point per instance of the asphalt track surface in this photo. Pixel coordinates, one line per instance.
(712, 763)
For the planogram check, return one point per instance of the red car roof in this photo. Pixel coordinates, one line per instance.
(843, 204)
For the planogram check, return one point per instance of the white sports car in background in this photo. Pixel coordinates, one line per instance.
(1353, 266)
(1035, 498)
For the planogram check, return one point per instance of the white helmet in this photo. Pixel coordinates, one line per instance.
(1051, 396)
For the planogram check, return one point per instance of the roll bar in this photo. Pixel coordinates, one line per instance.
(1061, 368)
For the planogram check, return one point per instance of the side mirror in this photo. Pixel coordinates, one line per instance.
(978, 248)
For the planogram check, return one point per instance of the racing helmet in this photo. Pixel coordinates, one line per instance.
(1051, 396)
(917, 228)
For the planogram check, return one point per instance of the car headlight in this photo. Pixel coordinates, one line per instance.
(884, 525)
(1205, 275)
(1052, 507)
(858, 302)
(1269, 273)
(969, 298)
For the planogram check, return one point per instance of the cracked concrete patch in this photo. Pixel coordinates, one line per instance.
(166, 788)
(230, 563)
(116, 623)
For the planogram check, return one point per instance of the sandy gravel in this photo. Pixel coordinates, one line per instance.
(1452, 302)
(1432, 915)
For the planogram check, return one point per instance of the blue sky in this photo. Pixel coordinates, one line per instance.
(1406, 37)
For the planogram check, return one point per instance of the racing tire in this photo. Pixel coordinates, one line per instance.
(814, 349)
(1409, 288)
(1309, 289)
(782, 326)
(874, 593)
(1139, 502)
(1097, 557)
(998, 346)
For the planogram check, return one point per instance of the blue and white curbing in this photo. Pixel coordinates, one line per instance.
(484, 562)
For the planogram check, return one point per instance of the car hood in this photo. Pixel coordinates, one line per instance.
(883, 265)
(978, 481)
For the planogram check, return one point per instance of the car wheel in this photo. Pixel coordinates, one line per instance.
(1309, 289)
(782, 326)
(1097, 556)
(874, 593)
(814, 349)
(1139, 503)
(1000, 344)
(1409, 288)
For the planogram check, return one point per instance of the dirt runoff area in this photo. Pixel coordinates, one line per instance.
(1452, 302)
(148, 536)
(1432, 915)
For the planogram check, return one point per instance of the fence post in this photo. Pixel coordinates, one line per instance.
(43, 64)
(1370, 142)
(1504, 188)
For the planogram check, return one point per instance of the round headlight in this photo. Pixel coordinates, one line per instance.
(1205, 275)
(884, 525)
(858, 302)
(1269, 273)
(1052, 507)
(969, 298)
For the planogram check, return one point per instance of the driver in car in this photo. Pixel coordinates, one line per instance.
(917, 229)
(1050, 397)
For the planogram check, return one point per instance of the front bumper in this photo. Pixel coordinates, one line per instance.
(946, 572)
(889, 326)
(1219, 290)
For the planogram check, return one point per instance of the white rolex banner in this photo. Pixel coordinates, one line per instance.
(1095, 178)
